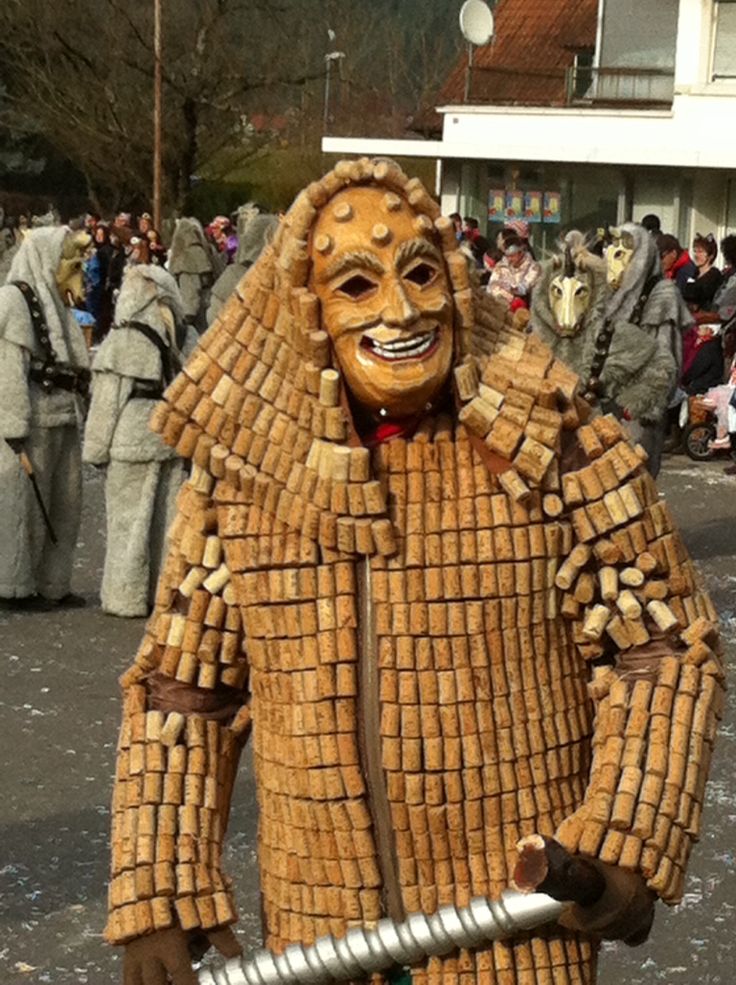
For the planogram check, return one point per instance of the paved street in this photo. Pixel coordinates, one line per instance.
(58, 723)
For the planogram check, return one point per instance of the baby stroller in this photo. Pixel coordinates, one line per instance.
(705, 429)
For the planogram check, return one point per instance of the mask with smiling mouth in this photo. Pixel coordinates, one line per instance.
(385, 299)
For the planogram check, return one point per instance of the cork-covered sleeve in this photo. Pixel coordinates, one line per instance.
(642, 619)
(185, 720)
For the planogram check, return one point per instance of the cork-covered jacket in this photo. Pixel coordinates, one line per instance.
(486, 630)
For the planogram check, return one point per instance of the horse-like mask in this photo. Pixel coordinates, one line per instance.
(569, 297)
(70, 271)
(618, 258)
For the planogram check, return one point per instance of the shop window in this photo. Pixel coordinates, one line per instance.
(724, 50)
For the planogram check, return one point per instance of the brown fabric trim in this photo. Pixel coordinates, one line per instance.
(219, 705)
(493, 462)
(572, 456)
(642, 662)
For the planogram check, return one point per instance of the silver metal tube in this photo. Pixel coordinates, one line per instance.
(361, 952)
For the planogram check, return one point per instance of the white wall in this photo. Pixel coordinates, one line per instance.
(695, 133)
(694, 43)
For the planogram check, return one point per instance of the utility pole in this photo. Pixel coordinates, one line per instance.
(330, 58)
(157, 102)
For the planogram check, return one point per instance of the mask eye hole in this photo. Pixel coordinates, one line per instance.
(421, 274)
(356, 287)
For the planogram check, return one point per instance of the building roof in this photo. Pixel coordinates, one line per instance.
(536, 42)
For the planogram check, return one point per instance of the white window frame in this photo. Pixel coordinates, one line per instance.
(714, 78)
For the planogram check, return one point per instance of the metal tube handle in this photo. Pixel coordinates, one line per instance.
(361, 952)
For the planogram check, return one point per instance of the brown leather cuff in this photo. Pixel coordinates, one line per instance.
(167, 694)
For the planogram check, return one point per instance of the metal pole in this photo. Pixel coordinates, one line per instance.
(469, 72)
(157, 101)
(326, 117)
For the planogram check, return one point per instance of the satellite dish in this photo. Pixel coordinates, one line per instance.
(476, 22)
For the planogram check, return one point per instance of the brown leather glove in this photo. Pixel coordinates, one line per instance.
(611, 902)
(625, 911)
(165, 957)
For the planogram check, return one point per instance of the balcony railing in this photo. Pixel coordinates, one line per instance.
(613, 86)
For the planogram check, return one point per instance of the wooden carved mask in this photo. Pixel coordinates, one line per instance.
(385, 299)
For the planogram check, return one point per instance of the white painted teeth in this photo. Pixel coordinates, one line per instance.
(404, 348)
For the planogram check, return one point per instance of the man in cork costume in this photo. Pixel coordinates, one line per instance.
(445, 599)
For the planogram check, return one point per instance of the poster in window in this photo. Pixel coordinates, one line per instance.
(551, 211)
(496, 203)
(514, 204)
(533, 206)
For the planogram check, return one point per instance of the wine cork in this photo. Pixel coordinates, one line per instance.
(360, 465)
(172, 728)
(663, 616)
(632, 577)
(585, 588)
(552, 505)
(466, 375)
(217, 580)
(569, 569)
(329, 388)
(628, 605)
(176, 630)
(647, 563)
(319, 346)
(630, 501)
(596, 621)
(608, 577)
(192, 581)
(212, 554)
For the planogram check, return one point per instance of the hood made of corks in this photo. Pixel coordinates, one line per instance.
(260, 404)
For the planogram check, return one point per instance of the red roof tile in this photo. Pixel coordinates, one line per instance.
(536, 41)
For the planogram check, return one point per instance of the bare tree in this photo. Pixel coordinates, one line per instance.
(82, 75)
(238, 76)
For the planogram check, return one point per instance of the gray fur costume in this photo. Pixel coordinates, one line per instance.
(194, 265)
(8, 247)
(637, 374)
(664, 316)
(254, 233)
(48, 423)
(143, 474)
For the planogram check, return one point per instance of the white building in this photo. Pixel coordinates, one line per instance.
(645, 122)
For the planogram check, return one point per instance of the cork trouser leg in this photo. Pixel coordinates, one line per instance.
(57, 461)
(16, 575)
(131, 494)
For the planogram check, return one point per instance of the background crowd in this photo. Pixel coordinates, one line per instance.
(126, 240)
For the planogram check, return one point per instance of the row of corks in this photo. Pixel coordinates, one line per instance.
(544, 959)
(632, 586)
(173, 782)
(653, 741)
